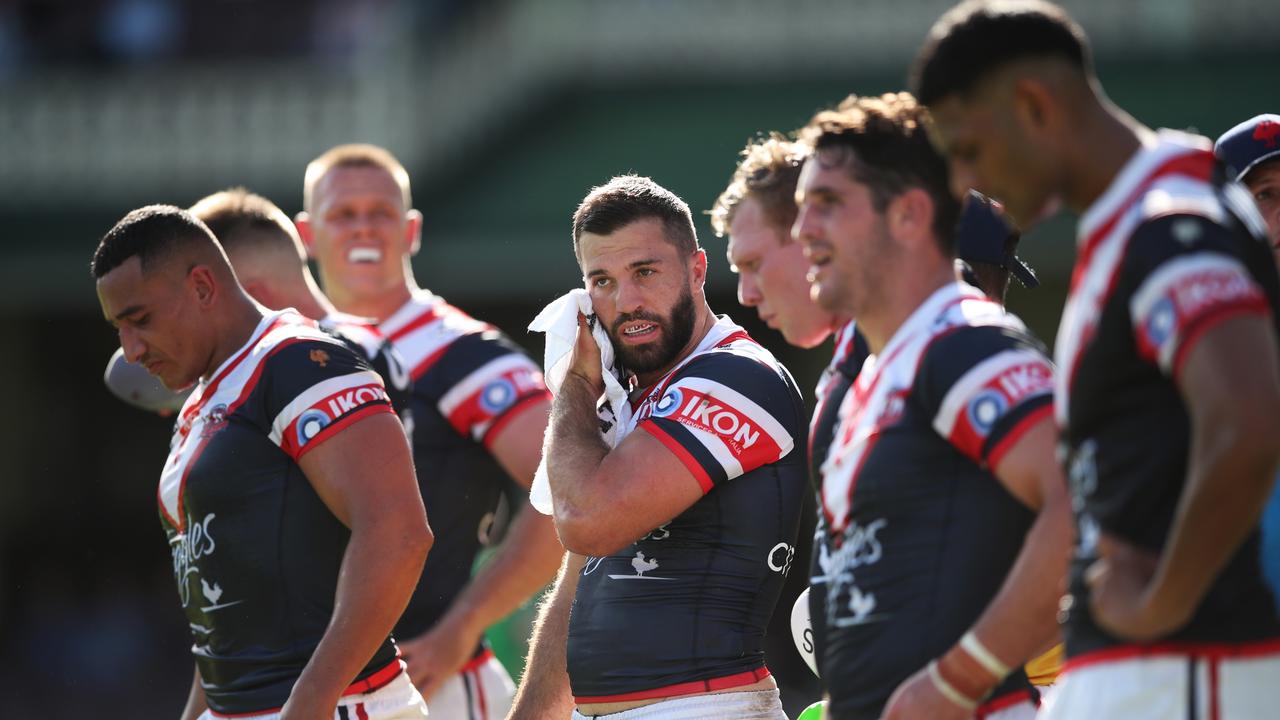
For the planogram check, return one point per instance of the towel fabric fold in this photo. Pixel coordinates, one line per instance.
(559, 322)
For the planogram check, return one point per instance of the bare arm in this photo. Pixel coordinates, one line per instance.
(195, 700)
(544, 691)
(1022, 618)
(606, 499)
(1230, 384)
(365, 476)
(525, 562)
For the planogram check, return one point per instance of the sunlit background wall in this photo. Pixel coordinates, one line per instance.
(505, 112)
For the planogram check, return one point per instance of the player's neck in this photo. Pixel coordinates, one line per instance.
(379, 306)
(880, 324)
(1108, 140)
(307, 299)
(233, 330)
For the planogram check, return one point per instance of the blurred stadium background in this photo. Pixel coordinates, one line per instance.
(505, 112)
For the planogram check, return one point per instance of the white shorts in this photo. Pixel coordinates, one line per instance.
(1213, 684)
(397, 700)
(754, 705)
(482, 690)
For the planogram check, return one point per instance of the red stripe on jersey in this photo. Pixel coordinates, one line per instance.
(421, 368)
(682, 454)
(997, 397)
(491, 435)
(425, 318)
(1251, 306)
(1214, 695)
(337, 426)
(719, 684)
(1011, 438)
(333, 406)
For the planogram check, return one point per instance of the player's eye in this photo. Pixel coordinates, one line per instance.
(142, 320)
(1264, 195)
(600, 282)
(645, 272)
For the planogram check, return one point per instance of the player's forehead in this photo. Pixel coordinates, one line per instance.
(828, 173)
(642, 241)
(349, 184)
(751, 234)
(127, 287)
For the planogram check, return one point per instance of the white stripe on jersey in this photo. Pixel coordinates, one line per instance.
(317, 393)
(423, 342)
(1181, 195)
(758, 416)
(956, 401)
(479, 378)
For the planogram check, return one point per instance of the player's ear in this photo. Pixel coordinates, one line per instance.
(413, 230)
(1033, 105)
(202, 285)
(910, 218)
(302, 221)
(698, 268)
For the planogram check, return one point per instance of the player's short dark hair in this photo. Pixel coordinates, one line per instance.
(242, 219)
(628, 198)
(977, 37)
(152, 234)
(767, 173)
(883, 143)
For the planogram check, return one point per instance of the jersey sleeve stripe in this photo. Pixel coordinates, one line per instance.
(479, 378)
(961, 394)
(1196, 330)
(760, 417)
(1011, 438)
(494, 429)
(1180, 295)
(683, 455)
(316, 394)
(335, 427)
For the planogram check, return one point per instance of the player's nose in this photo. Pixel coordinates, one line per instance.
(748, 290)
(133, 346)
(803, 228)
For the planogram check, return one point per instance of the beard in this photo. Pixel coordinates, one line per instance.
(676, 330)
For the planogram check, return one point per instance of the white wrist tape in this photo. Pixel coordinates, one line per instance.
(949, 692)
(984, 657)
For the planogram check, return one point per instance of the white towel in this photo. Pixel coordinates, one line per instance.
(559, 321)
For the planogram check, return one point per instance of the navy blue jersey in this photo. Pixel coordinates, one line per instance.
(850, 353)
(256, 552)
(921, 535)
(1166, 253)
(468, 382)
(684, 608)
